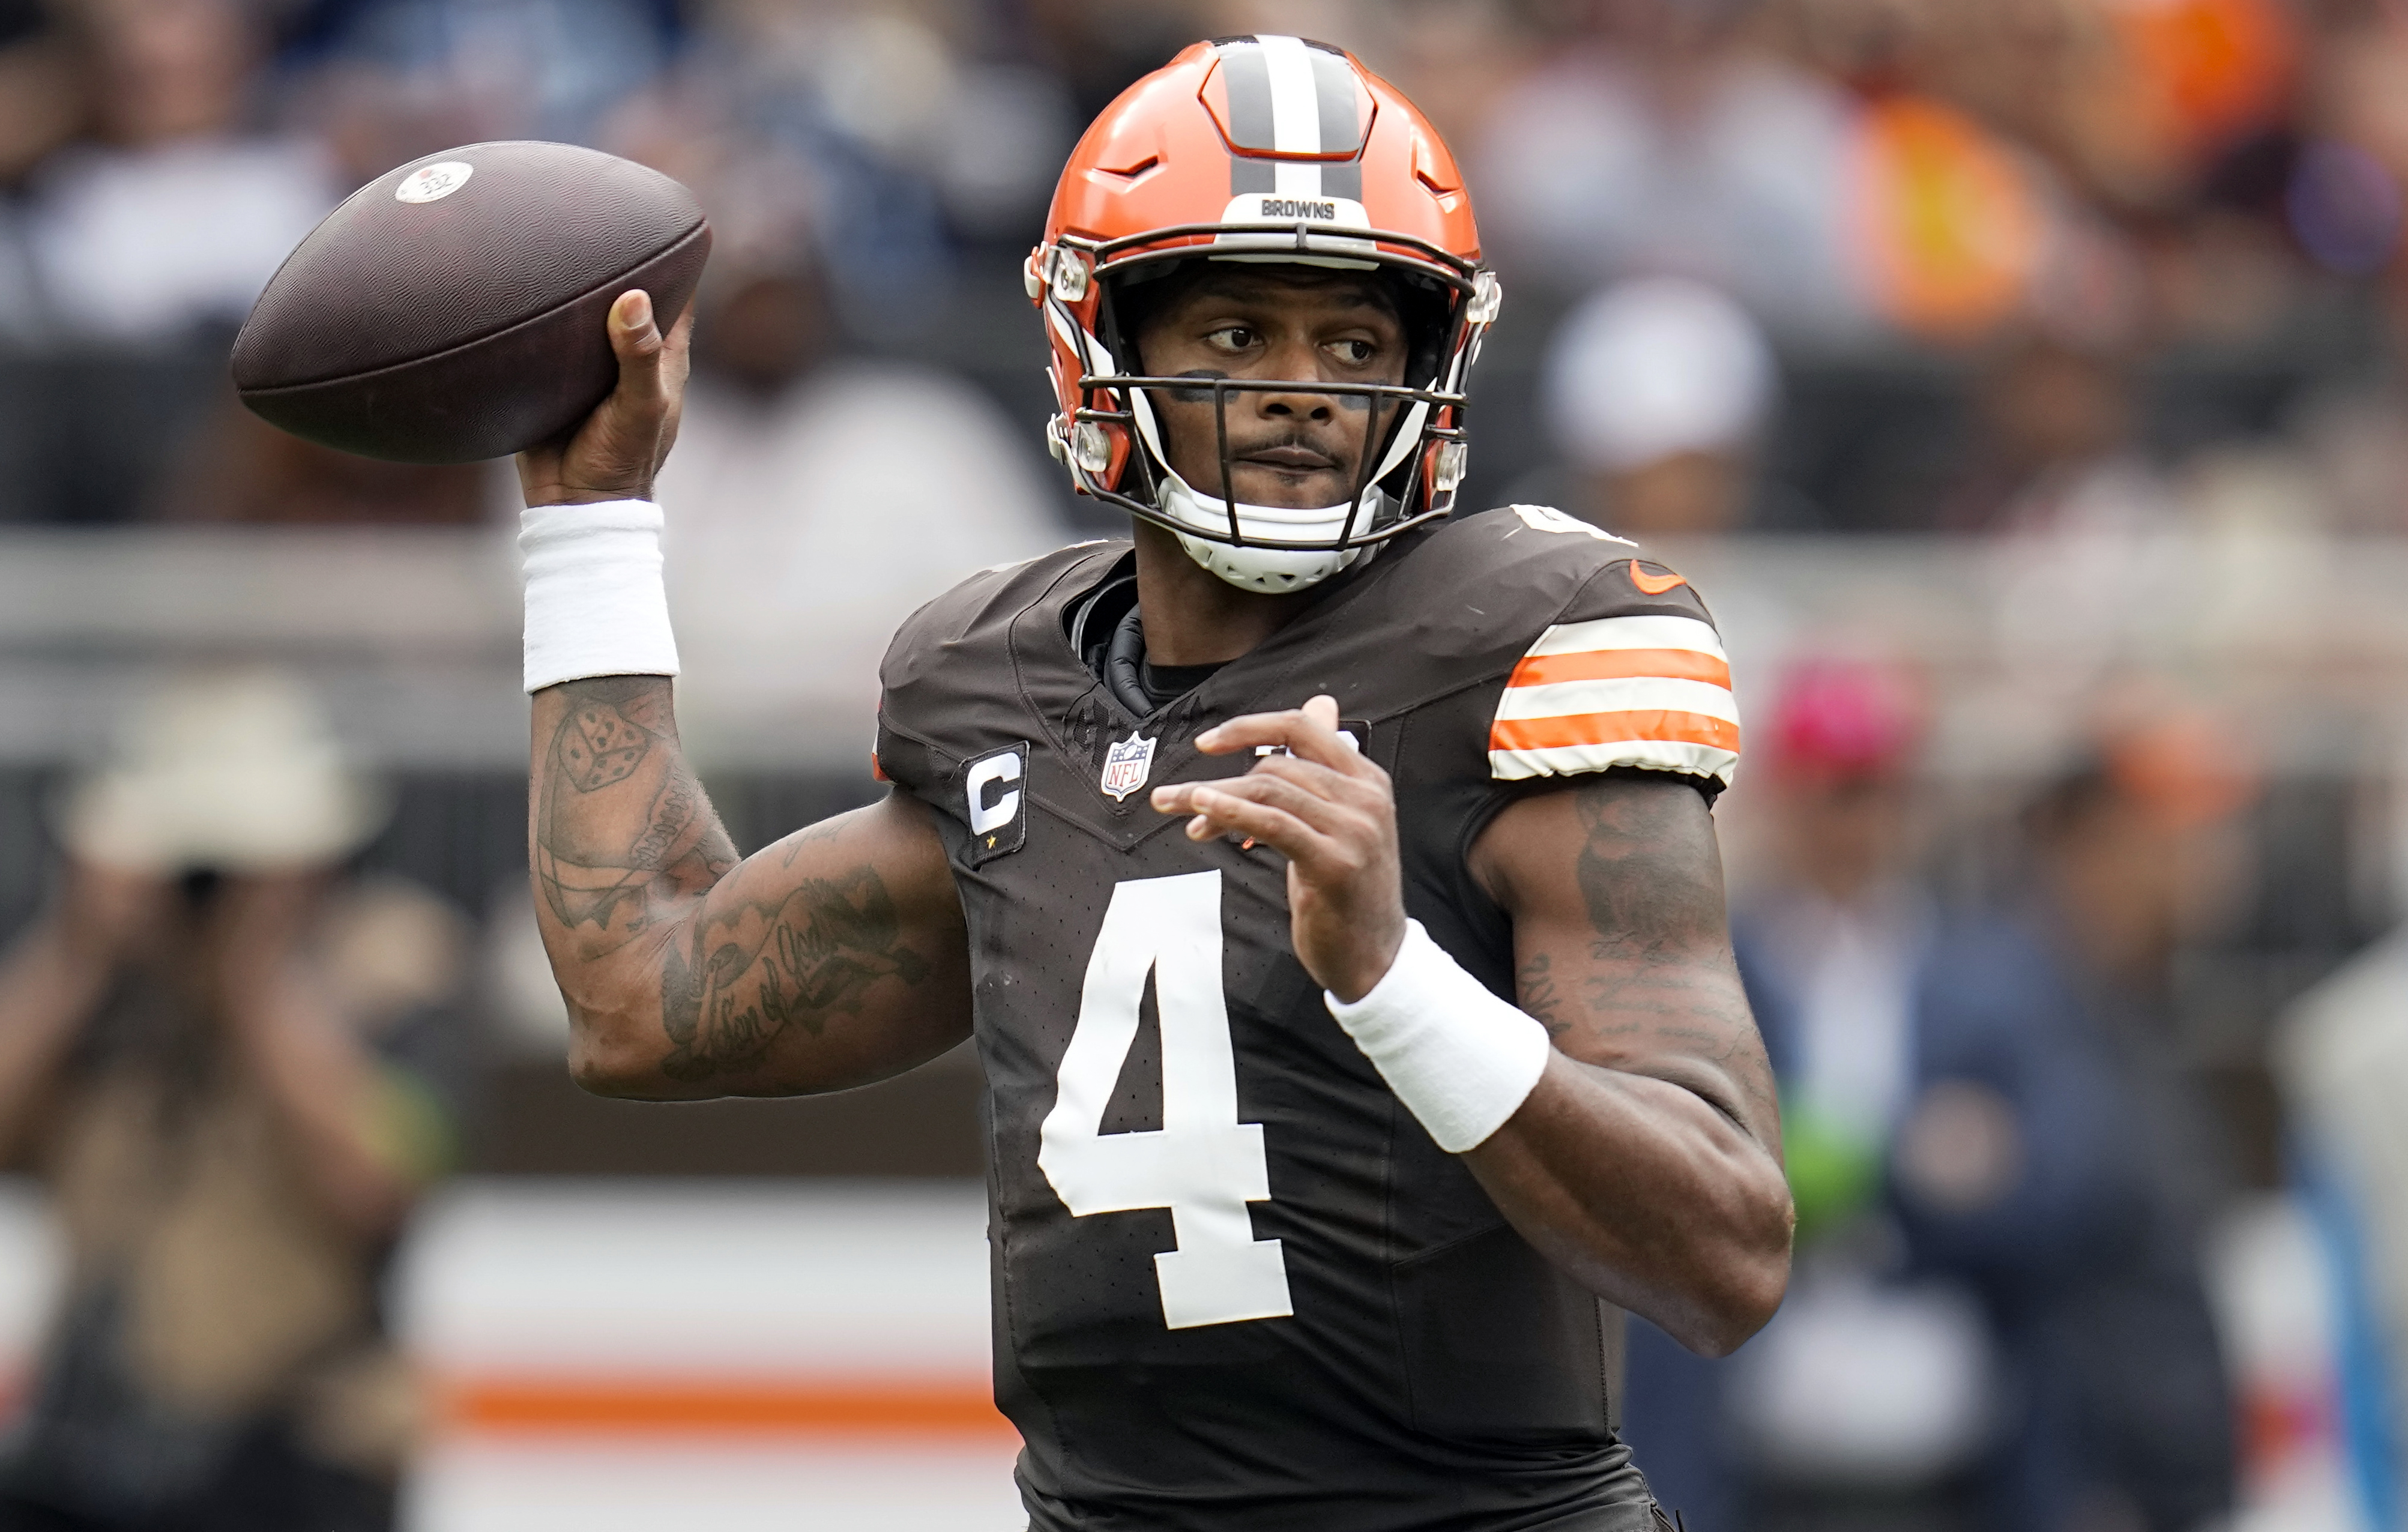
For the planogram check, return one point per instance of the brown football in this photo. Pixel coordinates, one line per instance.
(451, 310)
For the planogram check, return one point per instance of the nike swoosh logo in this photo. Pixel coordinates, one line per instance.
(1654, 584)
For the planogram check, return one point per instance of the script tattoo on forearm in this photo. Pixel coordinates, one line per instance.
(1657, 929)
(621, 824)
(761, 967)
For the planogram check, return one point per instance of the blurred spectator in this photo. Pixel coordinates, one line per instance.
(494, 68)
(138, 245)
(1098, 49)
(1908, 181)
(1659, 392)
(2357, 112)
(814, 499)
(909, 133)
(227, 1060)
(41, 104)
(40, 96)
(1831, 947)
(2089, 529)
(2342, 1058)
(1949, 224)
(2058, 1158)
(239, 468)
(1665, 144)
(177, 210)
(2133, 99)
(2056, 447)
(1867, 1384)
(1864, 1385)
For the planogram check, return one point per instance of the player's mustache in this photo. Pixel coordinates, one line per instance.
(1300, 450)
(1346, 400)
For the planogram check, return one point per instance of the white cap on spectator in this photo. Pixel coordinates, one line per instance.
(235, 770)
(1654, 367)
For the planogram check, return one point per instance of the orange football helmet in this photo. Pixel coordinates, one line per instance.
(1261, 149)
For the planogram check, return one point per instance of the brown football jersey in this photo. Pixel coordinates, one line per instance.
(1236, 1283)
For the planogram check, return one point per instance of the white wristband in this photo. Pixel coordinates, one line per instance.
(1460, 1059)
(594, 602)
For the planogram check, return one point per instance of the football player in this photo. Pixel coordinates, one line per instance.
(1328, 884)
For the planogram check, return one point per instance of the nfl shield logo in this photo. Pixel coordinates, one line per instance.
(1127, 764)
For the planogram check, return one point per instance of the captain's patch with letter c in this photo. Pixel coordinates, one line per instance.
(996, 802)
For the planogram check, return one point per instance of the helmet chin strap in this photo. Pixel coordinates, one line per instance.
(1249, 566)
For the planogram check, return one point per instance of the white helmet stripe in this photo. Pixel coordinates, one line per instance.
(1295, 102)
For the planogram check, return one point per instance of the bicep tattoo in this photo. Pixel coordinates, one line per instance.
(1660, 977)
(1535, 983)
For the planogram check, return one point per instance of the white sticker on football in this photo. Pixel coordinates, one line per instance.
(434, 183)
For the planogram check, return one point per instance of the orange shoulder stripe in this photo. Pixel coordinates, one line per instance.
(1576, 729)
(1622, 664)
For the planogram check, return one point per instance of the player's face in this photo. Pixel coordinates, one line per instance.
(1323, 329)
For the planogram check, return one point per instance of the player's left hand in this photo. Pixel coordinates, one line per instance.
(1330, 811)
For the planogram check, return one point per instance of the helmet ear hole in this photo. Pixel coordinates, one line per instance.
(1091, 447)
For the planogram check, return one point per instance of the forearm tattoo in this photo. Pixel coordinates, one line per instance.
(621, 825)
(626, 840)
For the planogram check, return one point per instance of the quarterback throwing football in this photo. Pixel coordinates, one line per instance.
(1328, 882)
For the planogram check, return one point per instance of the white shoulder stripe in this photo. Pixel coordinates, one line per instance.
(1646, 755)
(1630, 633)
(1629, 695)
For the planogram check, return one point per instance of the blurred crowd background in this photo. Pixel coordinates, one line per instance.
(2024, 383)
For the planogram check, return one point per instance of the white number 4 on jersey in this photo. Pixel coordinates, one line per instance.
(1202, 1164)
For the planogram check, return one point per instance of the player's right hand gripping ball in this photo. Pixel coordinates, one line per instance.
(452, 310)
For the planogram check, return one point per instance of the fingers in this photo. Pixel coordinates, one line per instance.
(637, 341)
(1327, 826)
(616, 451)
(1219, 812)
(1310, 733)
(676, 361)
(1318, 800)
(1309, 772)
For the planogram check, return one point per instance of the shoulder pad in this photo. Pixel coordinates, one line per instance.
(948, 669)
(1616, 659)
(992, 596)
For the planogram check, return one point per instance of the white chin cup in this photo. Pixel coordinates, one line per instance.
(1257, 568)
